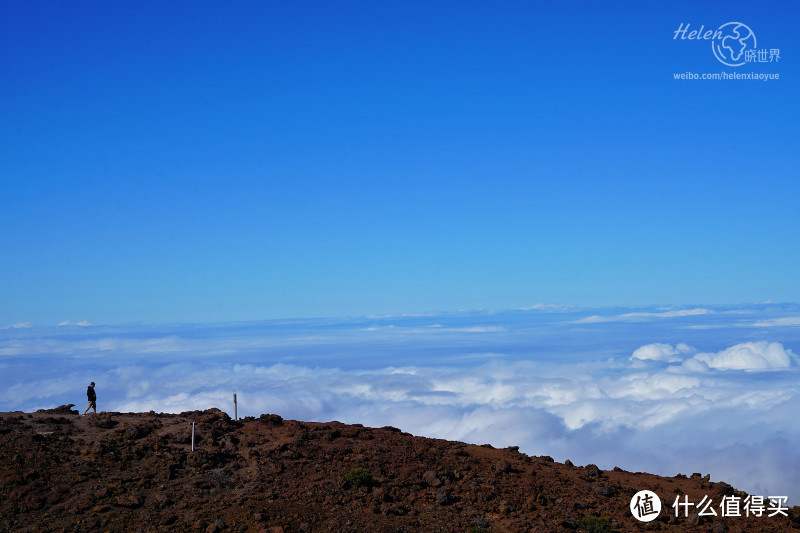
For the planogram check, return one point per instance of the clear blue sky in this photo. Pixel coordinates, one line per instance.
(200, 161)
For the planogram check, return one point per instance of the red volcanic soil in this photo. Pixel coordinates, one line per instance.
(136, 472)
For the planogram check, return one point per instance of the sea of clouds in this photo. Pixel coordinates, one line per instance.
(665, 390)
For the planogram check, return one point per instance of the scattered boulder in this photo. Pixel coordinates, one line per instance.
(61, 410)
(99, 448)
(724, 489)
(480, 521)
(130, 499)
(502, 466)
(605, 490)
(431, 479)
(444, 496)
(276, 420)
(57, 420)
(592, 470)
(138, 430)
(719, 527)
(102, 420)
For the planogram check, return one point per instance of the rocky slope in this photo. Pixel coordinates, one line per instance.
(136, 472)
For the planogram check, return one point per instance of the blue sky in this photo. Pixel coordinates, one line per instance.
(192, 162)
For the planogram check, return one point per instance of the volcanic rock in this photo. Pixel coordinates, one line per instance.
(136, 472)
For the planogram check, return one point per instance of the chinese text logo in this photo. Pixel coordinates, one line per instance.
(645, 506)
(735, 506)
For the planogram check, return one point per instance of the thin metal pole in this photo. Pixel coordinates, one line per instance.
(192, 436)
(235, 408)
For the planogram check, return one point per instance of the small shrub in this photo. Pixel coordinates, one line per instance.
(477, 529)
(358, 477)
(594, 524)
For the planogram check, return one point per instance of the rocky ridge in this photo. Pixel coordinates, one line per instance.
(136, 472)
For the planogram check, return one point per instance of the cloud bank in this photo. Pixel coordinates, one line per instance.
(751, 357)
(656, 394)
(747, 356)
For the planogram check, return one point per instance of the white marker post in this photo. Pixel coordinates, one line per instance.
(235, 408)
(192, 436)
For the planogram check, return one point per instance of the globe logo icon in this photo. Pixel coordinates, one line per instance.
(731, 41)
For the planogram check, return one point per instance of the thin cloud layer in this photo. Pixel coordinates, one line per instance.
(19, 325)
(82, 323)
(639, 315)
(788, 321)
(654, 394)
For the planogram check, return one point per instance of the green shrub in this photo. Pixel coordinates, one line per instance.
(594, 524)
(358, 477)
(477, 529)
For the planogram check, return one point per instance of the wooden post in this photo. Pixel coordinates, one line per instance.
(235, 408)
(192, 436)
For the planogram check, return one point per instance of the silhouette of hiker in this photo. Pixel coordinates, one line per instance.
(92, 398)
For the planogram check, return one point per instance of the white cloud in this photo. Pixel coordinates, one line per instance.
(671, 314)
(773, 322)
(662, 352)
(750, 356)
(692, 365)
(625, 317)
(19, 325)
(594, 319)
(403, 315)
(478, 329)
(546, 307)
(437, 328)
(97, 347)
(82, 323)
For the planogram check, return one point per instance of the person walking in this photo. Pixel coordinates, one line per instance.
(92, 398)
